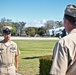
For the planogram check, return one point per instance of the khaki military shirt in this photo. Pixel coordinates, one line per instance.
(64, 56)
(8, 53)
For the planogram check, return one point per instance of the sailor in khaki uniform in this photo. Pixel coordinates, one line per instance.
(64, 53)
(8, 54)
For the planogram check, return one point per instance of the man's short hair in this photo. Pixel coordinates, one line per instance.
(70, 14)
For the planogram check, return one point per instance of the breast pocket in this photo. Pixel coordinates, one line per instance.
(12, 52)
(1, 51)
(2, 55)
(13, 49)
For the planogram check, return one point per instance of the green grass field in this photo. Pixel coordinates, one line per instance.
(31, 50)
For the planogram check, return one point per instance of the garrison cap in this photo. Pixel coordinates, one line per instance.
(7, 29)
(70, 10)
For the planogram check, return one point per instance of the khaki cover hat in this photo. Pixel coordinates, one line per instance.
(7, 29)
(70, 10)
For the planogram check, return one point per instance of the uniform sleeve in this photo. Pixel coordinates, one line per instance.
(17, 50)
(60, 60)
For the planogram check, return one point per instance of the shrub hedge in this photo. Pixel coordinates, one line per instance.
(45, 65)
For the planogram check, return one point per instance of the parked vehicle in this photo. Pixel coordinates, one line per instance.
(57, 32)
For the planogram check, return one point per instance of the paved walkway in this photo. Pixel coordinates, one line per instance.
(32, 38)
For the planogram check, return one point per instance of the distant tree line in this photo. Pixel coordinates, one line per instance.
(19, 27)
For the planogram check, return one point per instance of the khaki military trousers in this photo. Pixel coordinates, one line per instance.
(7, 70)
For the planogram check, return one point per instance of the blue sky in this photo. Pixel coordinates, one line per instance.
(33, 12)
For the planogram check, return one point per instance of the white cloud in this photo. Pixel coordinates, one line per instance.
(36, 23)
(44, 21)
